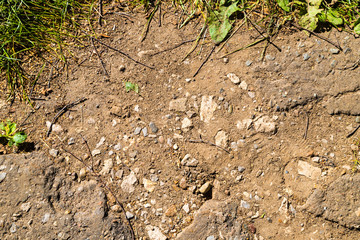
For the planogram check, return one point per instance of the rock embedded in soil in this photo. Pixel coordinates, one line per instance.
(207, 108)
(178, 105)
(108, 164)
(186, 124)
(189, 161)
(308, 170)
(155, 233)
(233, 78)
(137, 130)
(153, 127)
(265, 124)
(2, 176)
(149, 185)
(338, 202)
(205, 188)
(128, 183)
(222, 139)
(171, 211)
(54, 152)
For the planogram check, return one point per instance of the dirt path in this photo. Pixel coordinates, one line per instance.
(281, 167)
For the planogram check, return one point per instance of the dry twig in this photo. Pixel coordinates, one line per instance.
(203, 63)
(207, 142)
(98, 55)
(62, 111)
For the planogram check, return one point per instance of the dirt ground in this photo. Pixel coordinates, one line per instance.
(246, 149)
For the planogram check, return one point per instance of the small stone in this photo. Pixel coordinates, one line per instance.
(129, 215)
(211, 237)
(188, 80)
(248, 63)
(45, 218)
(122, 68)
(171, 211)
(71, 141)
(238, 178)
(178, 105)
(82, 174)
(133, 154)
(191, 114)
(95, 152)
(153, 127)
(119, 174)
(308, 170)
(265, 124)
(154, 233)
(149, 185)
(128, 183)
(243, 85)
(145, 132)
(25, 206)
(306, 56)
(251, 94)
(189, 161)
(207, 108)
(54, 152)
(55, 127)
(357, 119)
(2, 176)
(13, 228)
(233, 78)
(186, 124)
(270, 58)
(186, 208)
(225, 60)
(117, 147)
(205, 188)
(244, 204)
(137, 130)
(316, 159)
(183, 183)
(101, 142)
(334, 50)
(241, 169)
(175, 147)
(108, 164)
(222, 139)
(154, 177)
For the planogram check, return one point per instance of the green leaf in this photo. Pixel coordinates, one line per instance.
(10, 142)
(19, 138)
(357, 28)
(12, 128)
(2, 126)
(334, 17)
(220, 23)
(284, 4)
(131, 86)
(309, 22)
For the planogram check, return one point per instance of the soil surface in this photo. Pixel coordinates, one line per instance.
(249, 148)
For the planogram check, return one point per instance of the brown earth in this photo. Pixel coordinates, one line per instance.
(282, 167)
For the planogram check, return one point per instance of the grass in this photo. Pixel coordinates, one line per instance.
(33, 29)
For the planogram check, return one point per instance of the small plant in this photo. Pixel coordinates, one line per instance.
(131, 86)
(11, 135)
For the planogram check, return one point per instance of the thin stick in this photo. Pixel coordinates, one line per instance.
(203, 63)
(316, 35)
(266, 37)
(207, 142)
(196, 42)
(62, 111)
(172, 48)
(98, 55)
(352, 67)
(242, 48)
(122, 53)
(353, 132)
(27, 117)
(307, 125)
(160, 15)
(231, 35)
(100, 12)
